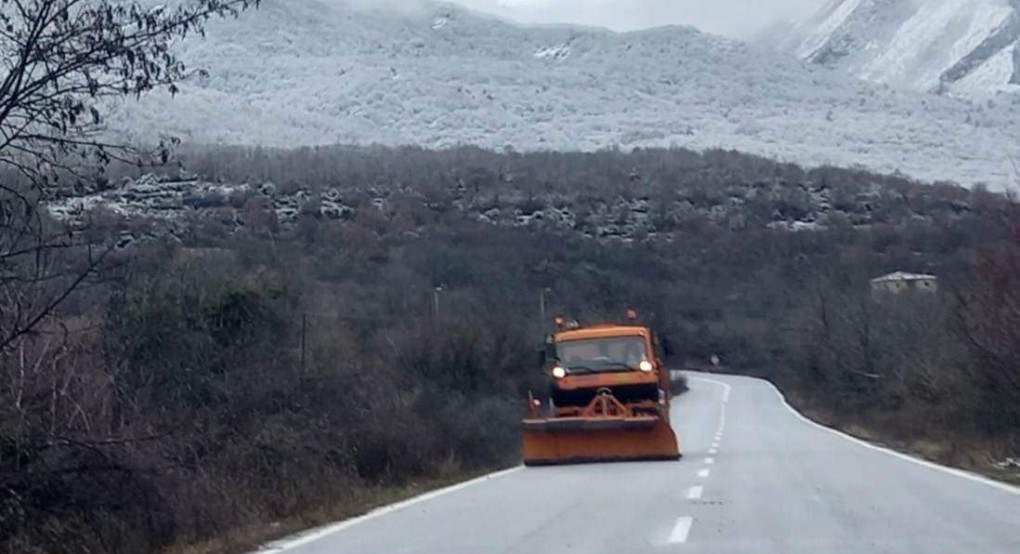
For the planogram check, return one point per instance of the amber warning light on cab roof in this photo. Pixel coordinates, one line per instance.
(562, 323)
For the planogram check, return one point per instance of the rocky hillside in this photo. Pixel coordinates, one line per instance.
(647, 195)
(317, 72)
(967, 48)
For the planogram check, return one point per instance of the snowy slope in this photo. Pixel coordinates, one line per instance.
(960, 47)
(307, 72)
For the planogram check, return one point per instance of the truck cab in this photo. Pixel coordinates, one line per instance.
(608, 398)
(617, 358)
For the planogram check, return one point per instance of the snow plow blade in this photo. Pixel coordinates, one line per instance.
(574, 440)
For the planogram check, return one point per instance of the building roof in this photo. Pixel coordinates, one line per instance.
(903, 276)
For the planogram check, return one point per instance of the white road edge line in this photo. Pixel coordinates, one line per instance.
(317, 534)
(727, 390)
(932, 465)
(681, 530)
(703, 473)
(694, 493)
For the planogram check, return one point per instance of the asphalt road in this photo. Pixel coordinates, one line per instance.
(755, 478)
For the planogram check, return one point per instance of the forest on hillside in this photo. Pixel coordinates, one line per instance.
(224, 361)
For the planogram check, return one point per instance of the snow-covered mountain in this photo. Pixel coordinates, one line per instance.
(309, 72)
(966, 48)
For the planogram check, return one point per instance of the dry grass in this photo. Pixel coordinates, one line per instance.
(360, 502)
(967, 453)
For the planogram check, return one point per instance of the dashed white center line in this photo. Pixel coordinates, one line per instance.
(703, 473)
(713, 451)
(710, 460)
(694, 493)
(681, 530)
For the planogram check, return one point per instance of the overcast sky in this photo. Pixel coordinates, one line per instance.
(736, 18)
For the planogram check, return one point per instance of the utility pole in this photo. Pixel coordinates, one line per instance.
(304, 334)
(435, 300)
(541, 303)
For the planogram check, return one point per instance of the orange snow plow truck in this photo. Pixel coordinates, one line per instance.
(609, 397)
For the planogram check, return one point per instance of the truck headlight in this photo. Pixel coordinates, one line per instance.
(559, 372)
(645, 365)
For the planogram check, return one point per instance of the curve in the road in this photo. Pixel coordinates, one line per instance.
(931, 465)
(757, 477)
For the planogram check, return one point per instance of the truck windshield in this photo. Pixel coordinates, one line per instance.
(608, 354)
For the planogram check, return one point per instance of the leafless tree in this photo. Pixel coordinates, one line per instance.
(63, 62)
(62, 58)
(990, 323)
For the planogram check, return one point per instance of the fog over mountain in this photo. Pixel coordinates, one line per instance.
(734, 18)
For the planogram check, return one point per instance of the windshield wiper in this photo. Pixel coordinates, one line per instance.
(615, 366)
(580, 369)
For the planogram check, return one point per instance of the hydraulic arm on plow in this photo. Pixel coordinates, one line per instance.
(609, 398)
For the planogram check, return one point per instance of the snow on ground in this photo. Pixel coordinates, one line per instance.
(926, 45)
(306, 72)
(934, 39)
(837, 12)
(992, 77)
(558, 52)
